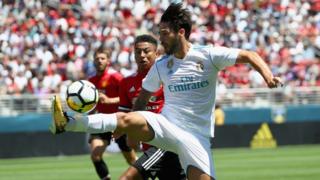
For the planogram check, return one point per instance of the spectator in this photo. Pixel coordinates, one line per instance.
(286, 34)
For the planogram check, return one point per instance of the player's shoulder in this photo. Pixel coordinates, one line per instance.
(114, 74)
(202, 48)
(112, 71)
(130, 77)
(211, 50)
(163, 59)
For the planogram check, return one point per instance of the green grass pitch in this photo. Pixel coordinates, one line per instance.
(282, 163)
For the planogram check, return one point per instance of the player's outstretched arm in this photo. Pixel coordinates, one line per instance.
(259, 65)
(104, 99)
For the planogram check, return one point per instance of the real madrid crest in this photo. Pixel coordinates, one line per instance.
(200, 66)
(170, 65)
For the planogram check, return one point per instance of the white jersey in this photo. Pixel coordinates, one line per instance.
(189, 85)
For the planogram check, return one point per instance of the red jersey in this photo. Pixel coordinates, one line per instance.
(129, 91)
(108, 83)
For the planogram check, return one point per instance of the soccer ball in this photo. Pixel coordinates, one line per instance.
(82, 96)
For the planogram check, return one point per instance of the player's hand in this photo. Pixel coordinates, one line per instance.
(103, 98)
(275, 82)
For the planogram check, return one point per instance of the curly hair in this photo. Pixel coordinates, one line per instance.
(178, 17)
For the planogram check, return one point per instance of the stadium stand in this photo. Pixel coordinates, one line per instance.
(45, 43)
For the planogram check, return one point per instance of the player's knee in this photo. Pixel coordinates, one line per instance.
(194, 172)
(131, 174)
(131, 160)
(126, 176)
(96, 157)
(123, 120)
(126, 120)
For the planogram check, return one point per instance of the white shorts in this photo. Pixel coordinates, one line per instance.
(192, 149)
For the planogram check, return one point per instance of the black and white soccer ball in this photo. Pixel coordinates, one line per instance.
(82, 96)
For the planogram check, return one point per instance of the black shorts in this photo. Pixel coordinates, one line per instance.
(121, 141)
(157, 163)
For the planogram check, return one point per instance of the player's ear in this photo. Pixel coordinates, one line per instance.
(181, 32)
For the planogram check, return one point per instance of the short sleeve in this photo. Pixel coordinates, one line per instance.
(117, 77)
(222, 57)
(152, 81)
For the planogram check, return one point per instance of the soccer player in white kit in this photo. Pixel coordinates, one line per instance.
(188, 75)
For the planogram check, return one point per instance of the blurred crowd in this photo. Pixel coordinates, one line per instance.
(46, 44)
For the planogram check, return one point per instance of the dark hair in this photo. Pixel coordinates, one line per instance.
(146, 38)
(178, 18)
(102, 50)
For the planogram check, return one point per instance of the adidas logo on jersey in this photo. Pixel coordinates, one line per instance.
(153, 173)
(132, 89)
(263, 138)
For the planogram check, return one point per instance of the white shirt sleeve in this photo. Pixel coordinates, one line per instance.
(222, 57)
(152, 81)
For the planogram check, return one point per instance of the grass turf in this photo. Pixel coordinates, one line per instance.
(286, 162)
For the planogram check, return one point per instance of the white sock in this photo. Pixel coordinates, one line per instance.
(77, 123)
(95, 123)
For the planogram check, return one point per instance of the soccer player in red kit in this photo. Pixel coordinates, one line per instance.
(154, 163)
(107, 81)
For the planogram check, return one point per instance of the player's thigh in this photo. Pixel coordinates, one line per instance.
(164, 132)
(195, 153)
(133, 122)
(131, 173)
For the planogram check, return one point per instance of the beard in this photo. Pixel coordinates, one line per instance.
(100, 68)
(172, 48)
(169, 50)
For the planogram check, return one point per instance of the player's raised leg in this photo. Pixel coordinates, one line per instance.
(119, 123)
